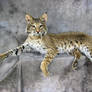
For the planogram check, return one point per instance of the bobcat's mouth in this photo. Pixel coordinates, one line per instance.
(37, 33)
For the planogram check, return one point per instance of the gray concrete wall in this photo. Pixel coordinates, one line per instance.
(63, 16)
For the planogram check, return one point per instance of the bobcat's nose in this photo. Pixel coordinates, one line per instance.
(37, 31)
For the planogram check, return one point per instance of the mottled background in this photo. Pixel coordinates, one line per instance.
(63, 16)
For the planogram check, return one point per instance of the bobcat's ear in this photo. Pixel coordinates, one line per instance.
(44, 17)
(28, 18)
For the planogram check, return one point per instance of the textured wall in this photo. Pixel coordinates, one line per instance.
(63, 16)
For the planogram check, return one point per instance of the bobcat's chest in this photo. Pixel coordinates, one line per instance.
(37, 45)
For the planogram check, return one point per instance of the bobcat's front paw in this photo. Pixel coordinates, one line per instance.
(44, 68)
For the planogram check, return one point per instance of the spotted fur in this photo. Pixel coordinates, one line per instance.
(73, 43)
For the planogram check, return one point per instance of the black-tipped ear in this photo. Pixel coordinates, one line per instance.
(28, 18)
(44, 17)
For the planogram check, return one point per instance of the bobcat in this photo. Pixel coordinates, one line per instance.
(74, 43)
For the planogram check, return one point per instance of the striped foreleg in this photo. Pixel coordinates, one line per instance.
(13, 51)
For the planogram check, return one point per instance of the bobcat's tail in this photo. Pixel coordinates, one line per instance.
(12, 51)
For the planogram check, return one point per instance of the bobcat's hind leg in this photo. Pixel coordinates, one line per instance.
(76, 53)
(88, 57)
(88, 62)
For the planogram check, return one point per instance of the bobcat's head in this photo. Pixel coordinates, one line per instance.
(36, 26)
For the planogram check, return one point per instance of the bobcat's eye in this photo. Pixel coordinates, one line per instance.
(33, 26)
(41, 26)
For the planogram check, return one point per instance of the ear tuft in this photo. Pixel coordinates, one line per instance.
(44, 17)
